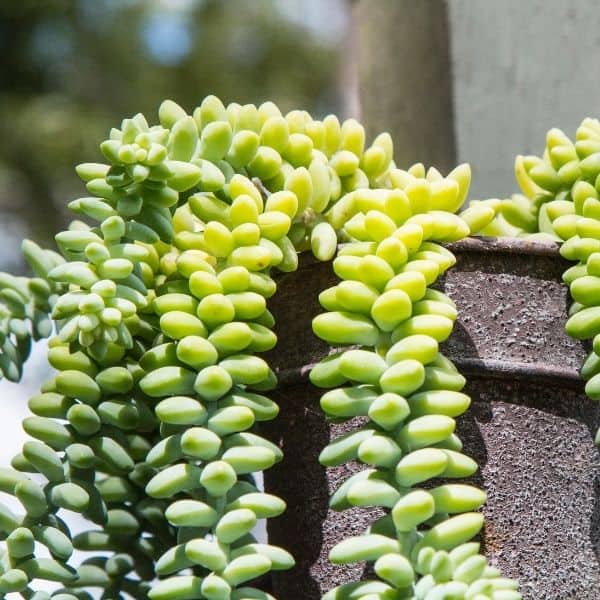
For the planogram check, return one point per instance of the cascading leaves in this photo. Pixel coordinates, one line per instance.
(561, 203)
(160, 310)
(25, 306)
(406, 391)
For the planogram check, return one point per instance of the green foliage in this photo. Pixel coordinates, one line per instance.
(561, 203)
(406, 390)
(160, 308)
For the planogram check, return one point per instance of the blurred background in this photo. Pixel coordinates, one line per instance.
(72, 69)
(452, 81)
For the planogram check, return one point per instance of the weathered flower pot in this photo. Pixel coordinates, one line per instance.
(530, 426)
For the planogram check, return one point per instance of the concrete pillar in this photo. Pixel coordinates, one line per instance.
(404, 79)
(519, 68)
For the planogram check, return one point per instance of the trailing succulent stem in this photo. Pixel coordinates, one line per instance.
(561, 202)
(159, 309)
(405, 391)
(25, 306)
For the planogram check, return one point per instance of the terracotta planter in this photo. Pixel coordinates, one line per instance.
(530, 426)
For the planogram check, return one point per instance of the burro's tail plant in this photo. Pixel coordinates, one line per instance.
(561, 203)
(408, 391)
(156, 309)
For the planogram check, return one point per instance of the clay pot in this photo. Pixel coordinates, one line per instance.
(530, 427)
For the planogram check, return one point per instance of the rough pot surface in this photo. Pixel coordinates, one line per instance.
(530, 426)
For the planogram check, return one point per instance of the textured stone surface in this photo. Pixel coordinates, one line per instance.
(534, 442)
(540, 470)
(512, 307)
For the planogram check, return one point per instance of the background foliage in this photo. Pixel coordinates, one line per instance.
(74, 68)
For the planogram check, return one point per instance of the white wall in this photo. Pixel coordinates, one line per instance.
(520, 67)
